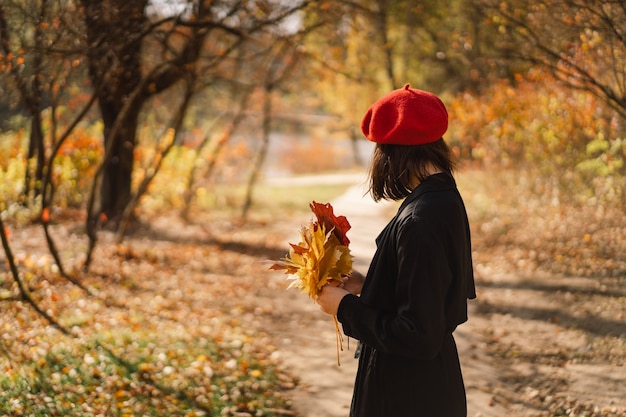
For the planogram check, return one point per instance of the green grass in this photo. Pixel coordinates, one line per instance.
(130, 373)
(267, 200)
(294, 198)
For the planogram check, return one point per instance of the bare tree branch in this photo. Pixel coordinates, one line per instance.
(20, 285)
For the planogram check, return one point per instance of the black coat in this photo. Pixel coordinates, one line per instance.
(415, 294)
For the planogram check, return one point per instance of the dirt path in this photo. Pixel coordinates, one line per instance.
(532, 347)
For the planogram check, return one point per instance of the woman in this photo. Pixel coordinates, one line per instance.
(416, 289)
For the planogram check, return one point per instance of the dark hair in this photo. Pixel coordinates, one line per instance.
(394, 168)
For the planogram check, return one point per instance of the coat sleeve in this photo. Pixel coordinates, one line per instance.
(415, 324)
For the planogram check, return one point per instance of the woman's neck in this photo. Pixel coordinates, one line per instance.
(431, 169)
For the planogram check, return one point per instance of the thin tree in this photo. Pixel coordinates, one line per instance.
(219, 143)
(281, 65)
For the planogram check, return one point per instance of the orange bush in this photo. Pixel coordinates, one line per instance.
(540, 127)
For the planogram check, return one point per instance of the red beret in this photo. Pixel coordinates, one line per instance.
(405, 117)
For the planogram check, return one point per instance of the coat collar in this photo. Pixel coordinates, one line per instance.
(437, 182)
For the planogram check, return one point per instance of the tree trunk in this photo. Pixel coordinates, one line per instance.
(114, 53)
(36, 147)
(260, 159)
(35, 150)
(115, 188)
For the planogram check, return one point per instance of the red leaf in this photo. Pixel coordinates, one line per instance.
(325, 216)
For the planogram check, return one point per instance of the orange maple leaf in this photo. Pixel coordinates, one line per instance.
(298, 249)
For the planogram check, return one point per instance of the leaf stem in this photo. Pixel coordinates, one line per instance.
(339, 339)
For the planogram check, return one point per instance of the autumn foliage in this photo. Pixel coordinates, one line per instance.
(322, 255)
(569, 141)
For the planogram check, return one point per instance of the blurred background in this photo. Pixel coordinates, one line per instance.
(117, 116)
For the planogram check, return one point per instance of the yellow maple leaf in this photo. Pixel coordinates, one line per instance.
(316, 260)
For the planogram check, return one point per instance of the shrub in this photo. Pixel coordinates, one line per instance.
(568, 141)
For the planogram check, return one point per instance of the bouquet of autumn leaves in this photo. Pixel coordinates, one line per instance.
(321, 257)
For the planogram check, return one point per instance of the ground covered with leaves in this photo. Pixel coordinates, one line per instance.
(183, 319)
(170, 326)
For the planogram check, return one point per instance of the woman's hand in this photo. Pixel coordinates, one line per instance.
(329, 299)
(353, 283)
